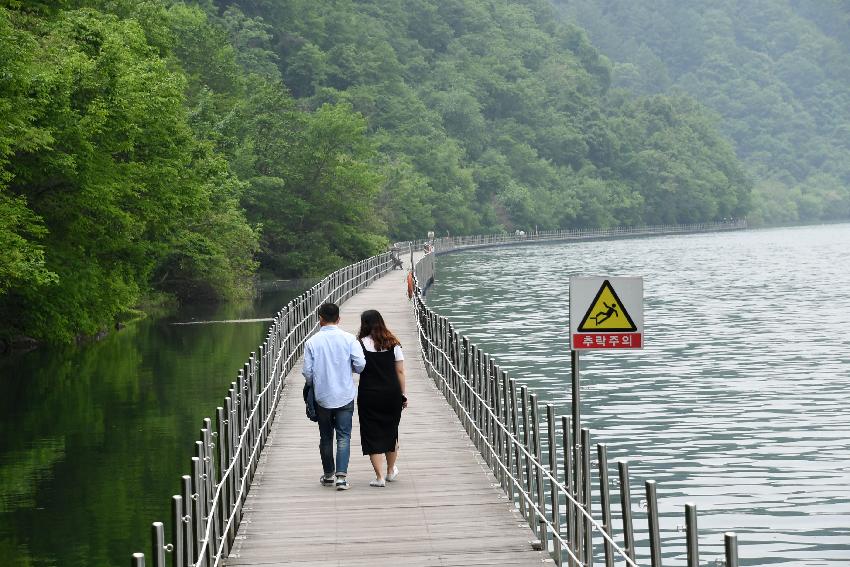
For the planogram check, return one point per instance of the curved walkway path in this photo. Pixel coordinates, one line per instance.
(444, 509)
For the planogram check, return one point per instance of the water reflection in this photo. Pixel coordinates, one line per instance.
(739, 401)
(95, 438)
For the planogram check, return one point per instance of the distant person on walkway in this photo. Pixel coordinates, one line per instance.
(395, 258)
(330, 356)
(380, 397)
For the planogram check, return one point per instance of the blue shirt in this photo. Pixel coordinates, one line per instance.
(330, 356)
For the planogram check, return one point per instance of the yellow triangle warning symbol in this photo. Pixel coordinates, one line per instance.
(607, 313)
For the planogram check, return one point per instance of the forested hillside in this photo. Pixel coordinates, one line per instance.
(156, 146)
(777, 71)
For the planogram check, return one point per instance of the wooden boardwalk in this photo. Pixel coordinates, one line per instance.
(444, 509)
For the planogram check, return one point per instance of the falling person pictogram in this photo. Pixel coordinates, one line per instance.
(611, 310)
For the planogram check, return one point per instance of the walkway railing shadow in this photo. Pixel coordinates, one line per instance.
(554, 494)
(206, 515)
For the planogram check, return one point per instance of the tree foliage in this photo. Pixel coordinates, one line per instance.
(775, 71)
(500, 117)
(175, 146)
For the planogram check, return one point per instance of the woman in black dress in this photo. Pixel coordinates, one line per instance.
(380, 397)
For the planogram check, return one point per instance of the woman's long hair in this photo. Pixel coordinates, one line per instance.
(372, 325)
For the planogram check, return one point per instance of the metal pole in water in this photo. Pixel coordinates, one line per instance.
(209, 468)
(576, 398)
(497, 431)
(605, 501)
(568, 472)
(158, 544)
(177, 533)
(652, 513)
(585, 467)
(197, 503)
(517, 460)
(223, 508)
(731, 541)
(188, 513)
(578, 491)
(692, 535)
(231, 449)
(538, 476)
(465, 398)
(526, 441)
(552, 438)
(626, 507)
(488, 403)
(506, 418)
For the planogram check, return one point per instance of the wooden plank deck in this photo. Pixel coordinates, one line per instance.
(444, 509)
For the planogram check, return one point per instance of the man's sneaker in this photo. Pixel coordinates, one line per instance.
(341, 483)
(327, 480)
(393, 475)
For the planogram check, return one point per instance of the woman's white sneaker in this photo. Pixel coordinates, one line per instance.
(393, 475)
(378, 483)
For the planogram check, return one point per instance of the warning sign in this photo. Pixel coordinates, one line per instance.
(606, 313)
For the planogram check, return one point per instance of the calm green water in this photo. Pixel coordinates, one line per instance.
(94, 439)
(740, 400)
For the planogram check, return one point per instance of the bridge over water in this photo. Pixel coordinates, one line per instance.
(444, 509)
(487, 476)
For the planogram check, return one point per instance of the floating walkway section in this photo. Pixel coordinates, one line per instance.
(445, 508)
(488, 476)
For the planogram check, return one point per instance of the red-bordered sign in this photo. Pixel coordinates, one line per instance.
(606, 313)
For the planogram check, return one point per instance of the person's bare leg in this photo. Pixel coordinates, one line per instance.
(377, 460)
(391, 458)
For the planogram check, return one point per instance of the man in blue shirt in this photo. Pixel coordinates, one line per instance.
(330, 357)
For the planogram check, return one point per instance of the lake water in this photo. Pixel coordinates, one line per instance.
(740, 400)
(94, 439)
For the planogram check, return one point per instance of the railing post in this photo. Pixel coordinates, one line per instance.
(586, 499)
(138, 560)
(158, 544)
(488, 403)
(692, 535)
(731, 544)
(197, 504)
(526, 441)
(566, 433)
(552, 438)
(652, 518)
(509, 449)
(232, 462)
(626, 507)
(501, 477)
(177, 531)
(466, 397)
(204, 491)
(538, 470)
(517, 454)
(223, 500)
(479, 404)
(189, 539)
(605, 501)
(209, 468)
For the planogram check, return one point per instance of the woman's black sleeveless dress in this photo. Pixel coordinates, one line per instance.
(379, 403)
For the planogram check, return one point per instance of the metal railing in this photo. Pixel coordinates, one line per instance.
(206, 515)
(505, 422)
(451, 243)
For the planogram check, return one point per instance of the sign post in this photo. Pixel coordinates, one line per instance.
(606, 313)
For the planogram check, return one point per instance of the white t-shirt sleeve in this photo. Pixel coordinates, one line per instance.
(370, 346)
